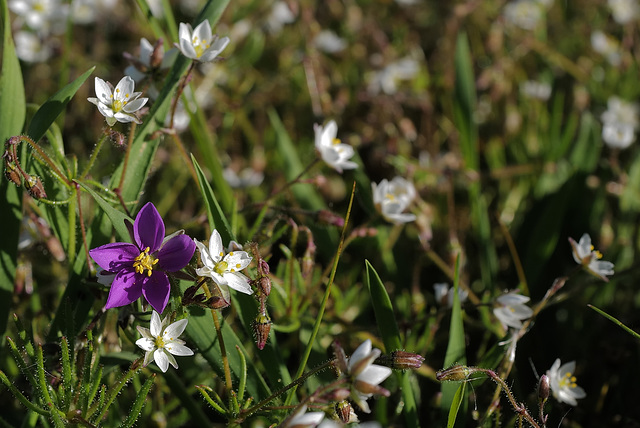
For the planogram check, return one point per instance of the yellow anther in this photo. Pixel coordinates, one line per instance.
(159, 342)
(144, 261)
(231, 253)
(336, 141)
(598, 254)
(238, 265)
(221, 253)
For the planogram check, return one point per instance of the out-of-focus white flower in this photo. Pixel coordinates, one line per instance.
(444, 294)
(224, 269)
(119, 105)
(364, 375)
(200, 44)
(304, 419)
(279, 16)
(407, 2)
(85, 12)
(329, 42)
(563, 383)
(161, 341)
(525, 14)
(512, 310)
(584, 254)
(248, 177)
(537, 90)
(147, 62)
(387, 79)
(607, 46)
(391, 198)
(331, 149)
(43, 16)
(620, 119)
(328, 423)
(624, 11)
(30, 48)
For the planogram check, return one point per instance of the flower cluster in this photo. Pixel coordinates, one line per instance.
(391, 198)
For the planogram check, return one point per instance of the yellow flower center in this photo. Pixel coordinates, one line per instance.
(144, 261)
(336, 141)
(221, 267)
(199, 46)
(568, 380)
(159, 342)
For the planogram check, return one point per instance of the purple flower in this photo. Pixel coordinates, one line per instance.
(140, 268)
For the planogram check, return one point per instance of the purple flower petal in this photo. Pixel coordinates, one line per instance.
(156, 290)
(126, 288)
(148, 228)
(176, 253)
(116, 256)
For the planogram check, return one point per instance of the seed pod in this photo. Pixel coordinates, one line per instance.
(344, 409)
(34, 187)
(264, 285)
(261, 328)
(12, 174)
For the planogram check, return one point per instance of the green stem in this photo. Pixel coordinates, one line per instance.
(325, 298)
(223, 349)
(293, 384)
(94, 155)
(45, 158)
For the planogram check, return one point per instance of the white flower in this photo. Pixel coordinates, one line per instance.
(620, 122)
(563, 383)
(200, 44)
(624, 11)
(280, 15)
(304, 419)
(85, 12)
(44, 16)
(607, 46)
(224, 269)
(248, 177)
(387, 79)
(329, 42)
(140, 67)
(512, 309)
(364, 375)
(444, 294)
(332, 150)
(161, 341)
(30, 48)
(120, 104)
(537, 90)
(525, 14)
(585, 255)
(391, 198)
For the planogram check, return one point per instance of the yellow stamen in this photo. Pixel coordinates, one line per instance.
(221, 267)
(336, 141)
(144, 261)
(159, 342)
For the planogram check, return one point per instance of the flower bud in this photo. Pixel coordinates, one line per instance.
(261, 328)
(12, 174)
(454, 373)
(401, 360)
(117, 138)
(343, 410)
(157, 55)
(543, 388)
(34, 187)
(263, 267)
(341, 357)
(264, 285)
(339, 394)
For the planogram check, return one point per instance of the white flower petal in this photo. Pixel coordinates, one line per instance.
(374, 374)
(238, 282)
(175, 330)
(161, 358)
(135, 105)
(146, 344)
(103, 91)
(178, 349)
(361, 352)
(216, 250)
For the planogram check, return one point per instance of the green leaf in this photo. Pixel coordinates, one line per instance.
(455, 405)
(217, 219)
(391, 337)
(13, 110)
(455, 349)
(49, 111)
(118, 218)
